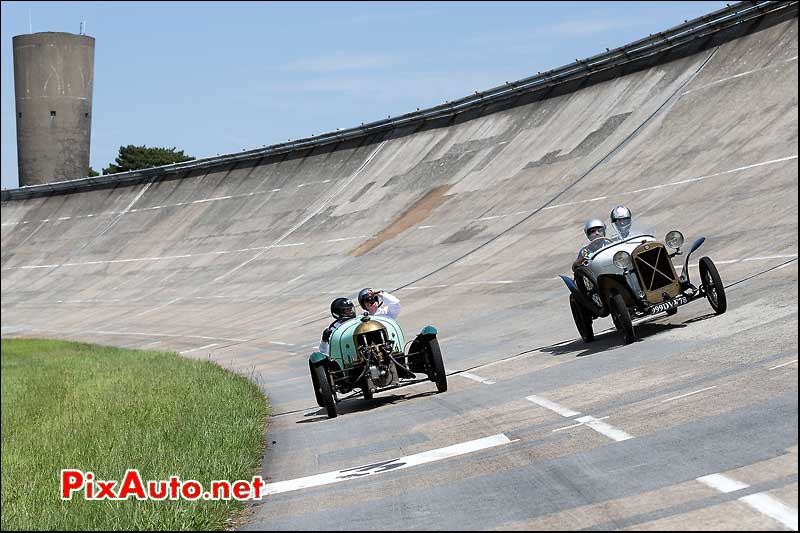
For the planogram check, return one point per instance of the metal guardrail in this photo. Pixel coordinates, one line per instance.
(632, 52)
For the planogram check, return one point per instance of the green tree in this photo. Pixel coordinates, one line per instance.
(136, 157)
(93, 172)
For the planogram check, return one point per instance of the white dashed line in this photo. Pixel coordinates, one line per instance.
(552, 406)
(590, 421)
(784, 364)
(386, 466)
(198, 349)
(688, 394)
(575, 425)
(604, 429)
(747, 73)
(636, 191)
(763, 503)
(473, 377)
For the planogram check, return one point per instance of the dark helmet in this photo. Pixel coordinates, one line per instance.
(365, 296)
(343, 308)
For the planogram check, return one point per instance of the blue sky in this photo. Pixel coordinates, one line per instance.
(213, 78)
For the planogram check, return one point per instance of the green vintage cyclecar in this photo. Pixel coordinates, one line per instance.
(368, 353)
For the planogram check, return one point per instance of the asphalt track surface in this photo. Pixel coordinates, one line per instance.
(694, 426)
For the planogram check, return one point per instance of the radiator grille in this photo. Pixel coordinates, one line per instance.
(654, 268)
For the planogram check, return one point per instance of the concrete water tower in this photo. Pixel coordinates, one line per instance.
(53, 79)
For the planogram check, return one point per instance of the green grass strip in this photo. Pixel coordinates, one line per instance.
(105, 410)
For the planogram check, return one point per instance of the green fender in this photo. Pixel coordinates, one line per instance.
(316, 357)
(429, 330)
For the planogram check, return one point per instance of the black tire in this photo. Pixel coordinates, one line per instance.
(622, 318)
(712, 283)
(437, 365)
(323, 387)
(315, 385)
(582, 319)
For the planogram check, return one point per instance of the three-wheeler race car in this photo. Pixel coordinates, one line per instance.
(367, 353)
(632, 277)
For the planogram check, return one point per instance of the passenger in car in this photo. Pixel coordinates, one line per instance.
(621, 219)
(373, 301)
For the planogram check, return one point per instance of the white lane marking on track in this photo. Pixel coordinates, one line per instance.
(281, 343)
(645, 189)
(784, 364)
(746, 73)
(200, 348)
(473, 377)
(347, 238)
(575, 425)
(308, 217)
(688, 394)
(547, 404)
(386, 466)
(152, 208)
(145, 335)
(763, 503)
(604, 429)
(590, 421)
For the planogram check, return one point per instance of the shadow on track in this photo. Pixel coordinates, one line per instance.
(356, 404)
(608, 340)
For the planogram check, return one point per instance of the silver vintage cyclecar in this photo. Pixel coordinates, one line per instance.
(632, 276)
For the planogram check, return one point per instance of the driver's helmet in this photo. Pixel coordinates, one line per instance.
(366, 297)
(592, 227)
(342, 308)
(621, 218)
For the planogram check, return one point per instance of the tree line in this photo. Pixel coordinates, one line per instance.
(137, 157)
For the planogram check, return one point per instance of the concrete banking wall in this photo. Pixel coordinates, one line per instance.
(472, 216)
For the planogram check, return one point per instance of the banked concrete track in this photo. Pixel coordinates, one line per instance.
(471, 218)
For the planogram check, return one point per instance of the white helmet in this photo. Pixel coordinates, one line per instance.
(621, 218)
(594, 224)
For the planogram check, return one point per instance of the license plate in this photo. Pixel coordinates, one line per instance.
(666, 306)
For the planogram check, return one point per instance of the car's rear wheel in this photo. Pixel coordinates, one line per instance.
(582, 319)
(437, 365)
(323, 388)
(712, 283)
(622, 318)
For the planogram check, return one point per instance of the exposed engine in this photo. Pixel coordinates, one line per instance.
(376, 350)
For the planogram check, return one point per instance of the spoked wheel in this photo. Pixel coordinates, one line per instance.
(437, 365)
(622, 318)
(325, 392)
(712, 283)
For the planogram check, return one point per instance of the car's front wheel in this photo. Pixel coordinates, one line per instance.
(437, 365)
(582, 319)
(324, 391)
(622, 318)
(712, 283)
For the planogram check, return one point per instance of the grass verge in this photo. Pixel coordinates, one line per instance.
(105, 410)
